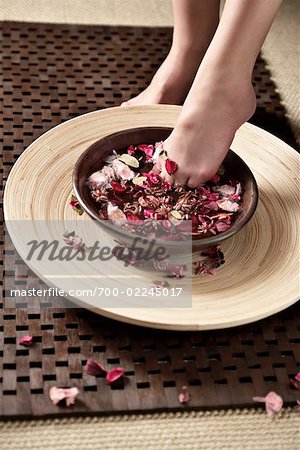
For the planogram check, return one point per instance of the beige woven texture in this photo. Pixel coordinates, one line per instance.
(241, 429)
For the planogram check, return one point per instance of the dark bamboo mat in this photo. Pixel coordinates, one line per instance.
(52, 73)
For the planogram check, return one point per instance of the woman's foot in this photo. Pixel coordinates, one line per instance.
(171, 83)
(214, 109)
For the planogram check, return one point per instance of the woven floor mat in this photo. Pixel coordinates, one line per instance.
(56, 72)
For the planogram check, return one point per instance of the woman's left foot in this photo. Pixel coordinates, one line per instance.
(214, 109)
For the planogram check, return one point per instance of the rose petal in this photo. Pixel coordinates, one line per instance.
(214, 179)
(294, 384)
(212, 206)
(226, 189)
(184, 397)
(132, 217)
(74, 241)
(27, 341)
(68, 394)
(149, 214)
(176, 270)
(221, 227)
(148, 149)
(114, 374)
(297, 376)
(273, 403)
(158, 150)
(115, 213)
(117, 186)
(129, 160)
(121, 170)
(171, 166)
(228, 205)
(93, 368)
(130, 150)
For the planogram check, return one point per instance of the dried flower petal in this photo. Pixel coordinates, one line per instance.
(68, 394)
(171, 166)
(158, 151)
(129, 160)
(184, 395)
(222, 226)
(117, 186)
(148, 149)
(121, 170)
(27, 341)
(297, 376)
(176, 270)
(74, 203)
(273, 403)
(294, 384)
(228, 205)
(139, 181)
(176, 214)
(93, 368)
(114, 374)
(115, 213)
(74, 241)
(226, 189)
(101, 178)
(215, 179)
(132, 217)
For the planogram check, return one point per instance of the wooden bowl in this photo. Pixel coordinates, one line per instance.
(93, 159)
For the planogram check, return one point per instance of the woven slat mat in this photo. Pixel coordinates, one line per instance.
(53, 73)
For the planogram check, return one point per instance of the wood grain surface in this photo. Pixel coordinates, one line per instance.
(260, 276)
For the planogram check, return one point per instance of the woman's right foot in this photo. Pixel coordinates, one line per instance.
(172, 82)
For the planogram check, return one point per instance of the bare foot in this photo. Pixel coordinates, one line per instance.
(171, 83)
(214, 109)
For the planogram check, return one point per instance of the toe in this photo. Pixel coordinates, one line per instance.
(193, 182)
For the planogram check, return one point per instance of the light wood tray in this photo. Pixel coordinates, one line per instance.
(260, 276)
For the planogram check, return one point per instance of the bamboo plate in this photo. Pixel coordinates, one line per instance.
(260, 276)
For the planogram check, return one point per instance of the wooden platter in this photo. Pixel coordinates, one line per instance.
(260, 276)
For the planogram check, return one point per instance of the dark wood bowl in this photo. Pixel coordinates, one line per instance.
(92, 160)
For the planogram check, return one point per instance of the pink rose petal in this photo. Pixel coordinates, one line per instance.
(121, 170)
(222, 226)
(148, 149)
(184, 397)
(273, 403)
(130, 150)
(227, 205)
(27, 341)
(114, 374)
(213, 206)
(294, 384)
(103, 176)
(171, 166)
(226, 189)
(117, 186)
(215, 179)
(115, 213)
(297, 376)
(68, 394)
(93, 368)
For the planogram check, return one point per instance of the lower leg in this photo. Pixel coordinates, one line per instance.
(195, 22)
(221, 98)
